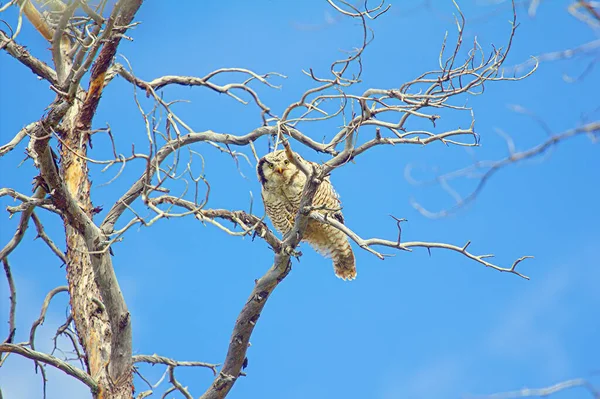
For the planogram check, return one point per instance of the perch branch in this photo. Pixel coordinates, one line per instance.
(246, 321)
(366, 244)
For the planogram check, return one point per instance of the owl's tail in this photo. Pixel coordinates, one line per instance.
(344, 264)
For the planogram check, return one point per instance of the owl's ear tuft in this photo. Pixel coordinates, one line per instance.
(261, 173)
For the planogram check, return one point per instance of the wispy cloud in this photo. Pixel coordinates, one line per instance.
(18, 377)
(20, 381)
(530, 332)
(432, 380)
(530, 327)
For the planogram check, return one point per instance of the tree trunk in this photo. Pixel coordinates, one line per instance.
(87, 305)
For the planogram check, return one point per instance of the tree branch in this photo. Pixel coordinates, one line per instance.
(163, 81)
(491, 167)
(52, 361)
(26, 201)
(39, 194)
(544, 392)
(122, 15)
(155, 359)
(45, 304)
(41, 233)
(246, 321)
(22, 55)
(366, 244)
(247, 221)
(13, 302)
(17, 139)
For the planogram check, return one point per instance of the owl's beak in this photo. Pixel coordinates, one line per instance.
(279, 170)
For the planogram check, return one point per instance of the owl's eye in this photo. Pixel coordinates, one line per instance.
(285, 162)
(270, 166)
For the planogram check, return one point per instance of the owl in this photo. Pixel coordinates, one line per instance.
(282, 184)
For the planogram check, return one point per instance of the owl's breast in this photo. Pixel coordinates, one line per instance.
(282, 198)
(281, 205)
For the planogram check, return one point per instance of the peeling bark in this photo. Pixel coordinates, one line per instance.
(91, 320)
(103, 324)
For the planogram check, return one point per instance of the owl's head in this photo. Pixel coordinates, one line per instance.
(275, 168)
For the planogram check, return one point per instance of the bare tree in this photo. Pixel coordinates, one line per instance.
(84, 39)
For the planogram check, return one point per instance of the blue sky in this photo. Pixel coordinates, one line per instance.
(412, 326)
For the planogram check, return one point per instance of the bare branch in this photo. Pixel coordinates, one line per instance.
(22, 55)
(167, 149)
(431, 90)
(163, 81)
(584, 49)
(544, 392)
(17, 139)
(23, 223)
(13, 302)
(52, 361)
(263, 288)
(591, 14)
(176, 383)
(59, 40)
(66, 331)
(42, 317)
(27, 202)
(122, 16)
(366, 244)
(491, 167)
(250, 223)
(155, 359)
(41, 233)
(93, 14)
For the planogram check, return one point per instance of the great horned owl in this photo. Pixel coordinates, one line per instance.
(282, 185)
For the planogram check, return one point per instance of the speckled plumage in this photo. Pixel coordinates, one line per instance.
(282, 185)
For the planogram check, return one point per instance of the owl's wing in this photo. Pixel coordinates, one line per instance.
(328, 198)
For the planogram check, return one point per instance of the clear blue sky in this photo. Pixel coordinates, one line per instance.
(412, 326)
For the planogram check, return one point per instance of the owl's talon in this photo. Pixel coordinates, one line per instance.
(292, 252)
